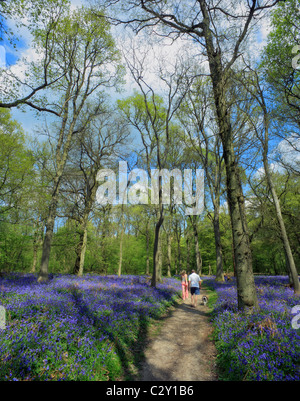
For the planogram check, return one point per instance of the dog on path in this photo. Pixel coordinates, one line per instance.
(204, 300)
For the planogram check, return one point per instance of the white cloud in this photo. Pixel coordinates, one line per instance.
(76, 3)
(288, 151)
(286, 154)
(155, 52)
(153, 57)
(273, 167)
(264, 30)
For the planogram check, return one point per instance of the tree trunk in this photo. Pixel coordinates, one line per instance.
(157, 230)
(155, 251)
(169, 255)
(218, 246)
(43, 273)
(187, 254)
(197, 249)
(38, 236)
(81, 249)
(288, 271)
(121, 241)
(35, 249)
(61, 162)
(247, 297)
(288, 252)
(283, 233)
(178, 266)
(81, 246)
(160, 258)
(78, 253)
(148, 247)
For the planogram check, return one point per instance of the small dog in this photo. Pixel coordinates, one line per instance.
(205, 299)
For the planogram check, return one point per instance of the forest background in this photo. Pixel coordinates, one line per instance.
(80, 91)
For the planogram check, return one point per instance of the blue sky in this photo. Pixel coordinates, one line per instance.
(9, 56)
(2, 56)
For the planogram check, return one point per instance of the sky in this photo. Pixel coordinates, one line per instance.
(2, 57)
(29, 119)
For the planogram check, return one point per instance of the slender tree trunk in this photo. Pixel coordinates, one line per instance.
(155, 250)
(121, 245)
(197, 249)
(284, 237)
(81, 246)
(78, 253)
(35, 249)
(148, 248)
(288, 271)
(157, 230)
(81, 249)
(218, 246)
(288, 252)
(169, 255)
(178, 237)
(187, 254)
(196, 242)
(160, 258)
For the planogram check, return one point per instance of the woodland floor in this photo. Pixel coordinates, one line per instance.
(180, 347)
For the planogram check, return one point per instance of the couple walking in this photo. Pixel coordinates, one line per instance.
(193, 282)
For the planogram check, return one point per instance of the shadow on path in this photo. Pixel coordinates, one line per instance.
(176, 347)
(183, 349)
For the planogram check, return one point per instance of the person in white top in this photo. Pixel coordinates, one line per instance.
(194, 286)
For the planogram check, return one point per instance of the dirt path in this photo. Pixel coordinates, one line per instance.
(182, 349)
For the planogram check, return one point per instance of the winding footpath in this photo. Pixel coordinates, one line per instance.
(183, 349)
